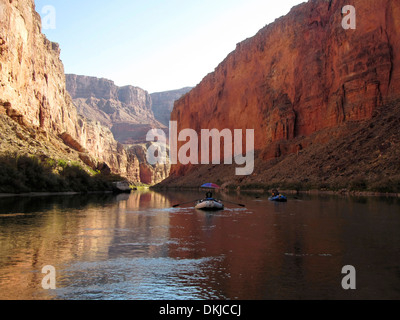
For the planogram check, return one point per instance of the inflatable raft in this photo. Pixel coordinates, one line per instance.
(278, 198)
(209, 204)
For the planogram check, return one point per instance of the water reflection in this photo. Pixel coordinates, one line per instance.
(138, 247)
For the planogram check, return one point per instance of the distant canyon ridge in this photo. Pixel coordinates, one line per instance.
(130, 112)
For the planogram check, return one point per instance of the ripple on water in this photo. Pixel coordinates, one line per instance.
(140, 278)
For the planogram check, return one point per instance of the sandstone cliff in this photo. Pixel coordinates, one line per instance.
(301, 75)
(103, 101)
(33, 94)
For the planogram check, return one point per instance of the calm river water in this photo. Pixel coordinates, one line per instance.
(137, 247)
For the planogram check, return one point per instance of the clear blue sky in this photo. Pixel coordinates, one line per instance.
(157, 45)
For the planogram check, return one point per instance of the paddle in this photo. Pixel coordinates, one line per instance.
(177, 205)
(238, 204)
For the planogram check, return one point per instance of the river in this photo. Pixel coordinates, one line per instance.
(137, 247)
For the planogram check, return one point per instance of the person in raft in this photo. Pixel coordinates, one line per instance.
(275, 193)
(209, 195)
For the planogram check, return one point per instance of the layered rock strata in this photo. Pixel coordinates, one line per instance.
(126, 111)
(103, 101)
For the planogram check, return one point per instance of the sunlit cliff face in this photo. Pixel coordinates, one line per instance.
(299, 75)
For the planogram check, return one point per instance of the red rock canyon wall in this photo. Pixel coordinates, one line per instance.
(301, 74)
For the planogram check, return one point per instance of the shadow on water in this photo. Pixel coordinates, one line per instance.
(33, 204)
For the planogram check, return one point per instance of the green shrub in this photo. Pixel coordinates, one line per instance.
(23, 174)
(386, 185)
(358, 184)
(77, 179)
